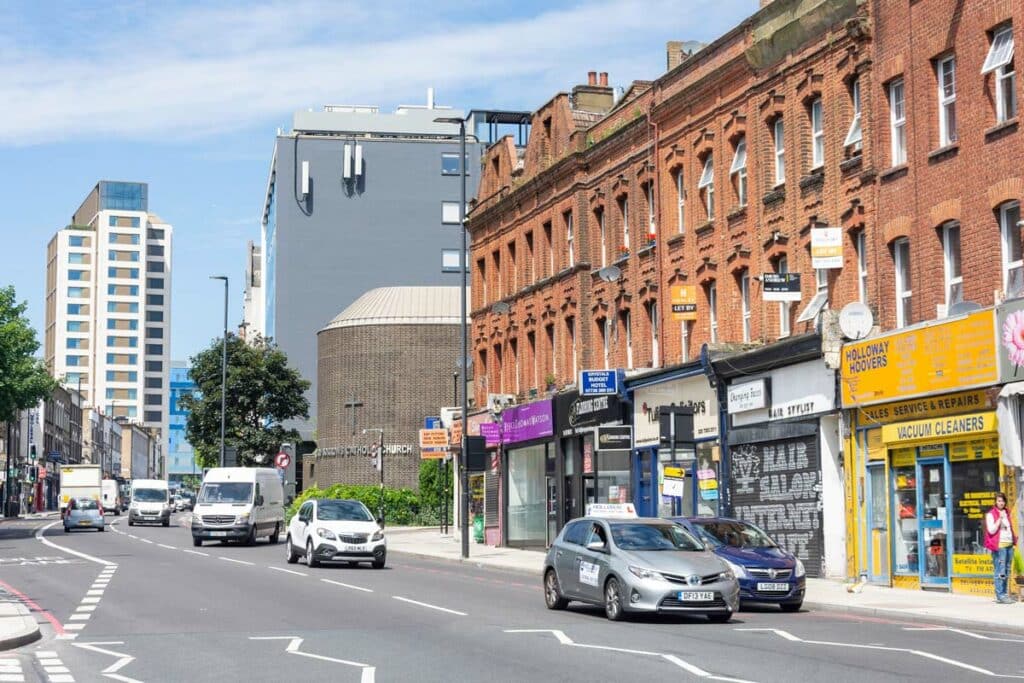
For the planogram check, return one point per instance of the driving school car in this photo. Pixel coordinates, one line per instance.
(637, 565)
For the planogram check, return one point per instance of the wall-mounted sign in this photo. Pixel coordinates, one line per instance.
(684, 302)
(599, 382)
(802, 390)
(780, 286)
(748, 396)
(826, 248)
(575, 414)
(948, 356)
(619, 438)
(950, 428)
(693, 392)
(1010, 340)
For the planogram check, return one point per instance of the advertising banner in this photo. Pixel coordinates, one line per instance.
(684, 302)
(527, 422)
(780, 286)
(694, 392)
(826, 248)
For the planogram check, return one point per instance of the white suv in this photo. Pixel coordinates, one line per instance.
(333, 530)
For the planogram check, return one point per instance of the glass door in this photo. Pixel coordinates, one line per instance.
(933, 503)
(878, 543)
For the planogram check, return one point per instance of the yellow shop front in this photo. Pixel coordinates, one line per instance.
(922, 461)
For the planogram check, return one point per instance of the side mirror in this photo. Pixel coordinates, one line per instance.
(596, 546)
(380, 522)
(259, 500)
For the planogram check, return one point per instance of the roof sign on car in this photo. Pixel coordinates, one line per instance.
(619, 510)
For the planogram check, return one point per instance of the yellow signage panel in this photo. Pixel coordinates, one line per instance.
(953, 428)
(972, 564)
(674, 472)
(931, 406)
(684, 302)
(957, 354)
(434, 438)
(979, 449)
(903, 457)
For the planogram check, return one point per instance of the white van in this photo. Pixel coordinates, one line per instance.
(111, 493)
(239, 503)
(151, 502)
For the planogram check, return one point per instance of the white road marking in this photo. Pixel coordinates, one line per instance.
(368, 674)
(196, 552)
(85, 608)
(80, 617)
(164, 545)
(681, 663)
(94, 592)
(62, 678)
(67, 636)
(969, 634)
(87, 601)
(916, 653)
(429, 606)
(146, 540)
(111, 671)
(289, 571)
(231, 559)
(73, 627)
(348, 585)
(46, 541)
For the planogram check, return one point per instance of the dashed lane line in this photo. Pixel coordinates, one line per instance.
(195, 552)
(164, 545)
(429, 606)
(55, 670)
(287, 571)
(962, 632)
(231, 559)
(347, 585)
(11, 671)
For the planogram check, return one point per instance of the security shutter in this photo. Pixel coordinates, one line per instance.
(776, 485)
(491, 497)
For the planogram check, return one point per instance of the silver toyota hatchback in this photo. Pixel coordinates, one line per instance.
(637, 565)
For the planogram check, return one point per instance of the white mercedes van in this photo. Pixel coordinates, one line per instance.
(240, 504)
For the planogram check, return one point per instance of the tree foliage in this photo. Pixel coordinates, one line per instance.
(262, 393)
(24, 380)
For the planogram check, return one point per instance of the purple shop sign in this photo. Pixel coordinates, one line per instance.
(491, 433)
(526, 422)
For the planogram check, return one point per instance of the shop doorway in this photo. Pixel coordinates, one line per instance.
(878, 527)
(933, 504)
(645, 501)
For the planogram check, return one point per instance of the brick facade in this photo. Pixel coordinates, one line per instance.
(400, 374)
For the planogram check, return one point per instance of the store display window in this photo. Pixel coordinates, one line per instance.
(904, 506)
(975, 484)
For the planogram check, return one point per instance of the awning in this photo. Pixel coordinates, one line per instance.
(1009, 417)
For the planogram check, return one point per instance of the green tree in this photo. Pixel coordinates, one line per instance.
(262, 392)
(433, 487)
(24, 380)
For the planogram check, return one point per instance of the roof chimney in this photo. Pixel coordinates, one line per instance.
(591, 78)
(604, 78)
(595, 96)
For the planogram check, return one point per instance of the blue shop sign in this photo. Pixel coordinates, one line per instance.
(599, 382)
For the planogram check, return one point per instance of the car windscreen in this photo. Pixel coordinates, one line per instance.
(226, 492)
(87, 504)
(149, 495)
(737, 534)
(653, 537)
(343, 511)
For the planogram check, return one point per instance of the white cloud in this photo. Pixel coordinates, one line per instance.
(166, 73)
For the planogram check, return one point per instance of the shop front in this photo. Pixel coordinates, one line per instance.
(528, 470)
(681, 481)
(925, 456)
(785, 463)
(593, 454)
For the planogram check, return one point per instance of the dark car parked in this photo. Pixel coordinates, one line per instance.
(767, 573)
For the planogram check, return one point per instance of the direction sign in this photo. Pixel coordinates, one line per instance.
(432, 423)
(282, 460)
(599, 382)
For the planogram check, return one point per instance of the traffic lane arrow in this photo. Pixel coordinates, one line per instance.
(368, 673)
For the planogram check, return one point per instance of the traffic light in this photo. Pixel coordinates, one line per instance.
(32, 451)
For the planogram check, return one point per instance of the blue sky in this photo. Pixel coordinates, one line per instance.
(187, 97)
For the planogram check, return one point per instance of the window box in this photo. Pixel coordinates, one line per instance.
(943, 153)
(704, 228)
(775, 196)
(737, 213)
(813, 180)
(894, 173)
(1001, 129)
(675, 239)
(851, 164)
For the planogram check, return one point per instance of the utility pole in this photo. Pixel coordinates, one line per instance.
(380, 466)
(224, 367)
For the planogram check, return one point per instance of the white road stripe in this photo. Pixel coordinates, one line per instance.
(231, 559)
(146, 540)
(429, 606)
(96, 592)
(87, 601)
(85, 608)
(164, 545)
(73, 627)
(46, 541)
(79, 616)
(289, 571)
(347, 585)
(196, 552)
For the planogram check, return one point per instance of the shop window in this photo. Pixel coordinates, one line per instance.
(905, 554)
(613, 477)
(975, 483)
(527, 516)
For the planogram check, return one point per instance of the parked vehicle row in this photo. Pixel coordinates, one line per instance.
(702, 566)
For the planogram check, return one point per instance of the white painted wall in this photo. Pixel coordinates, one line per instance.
(833, 497)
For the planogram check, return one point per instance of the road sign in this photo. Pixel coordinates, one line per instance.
(432, 423)
(283, 460)
(599, 382)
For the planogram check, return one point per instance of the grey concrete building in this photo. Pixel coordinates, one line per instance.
(388, 356)
(357, 199)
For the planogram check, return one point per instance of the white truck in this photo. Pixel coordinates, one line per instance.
(80, 481)
(111, 496)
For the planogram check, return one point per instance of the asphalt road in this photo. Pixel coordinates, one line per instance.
(141, 604)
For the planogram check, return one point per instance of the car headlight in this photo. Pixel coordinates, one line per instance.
(326, 533)
(134, 506)
(738, 571)
(378, 535)
(642, 573)
(727, 575)
(800, 571)
(242, 518)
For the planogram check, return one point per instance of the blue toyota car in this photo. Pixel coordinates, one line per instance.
(766, 572)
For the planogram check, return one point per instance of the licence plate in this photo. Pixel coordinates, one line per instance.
(355, 548)
(773, 587)
(84, 523)
(218, 533)
(696, 596)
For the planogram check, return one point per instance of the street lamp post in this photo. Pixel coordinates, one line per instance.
(463, 472)
(380, 466)
(223, 367)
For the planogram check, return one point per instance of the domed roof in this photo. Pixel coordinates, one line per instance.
(402, 306)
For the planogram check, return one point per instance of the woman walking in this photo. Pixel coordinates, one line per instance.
(1000, 538)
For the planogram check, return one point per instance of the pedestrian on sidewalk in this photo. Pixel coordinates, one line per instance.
(1000, 539)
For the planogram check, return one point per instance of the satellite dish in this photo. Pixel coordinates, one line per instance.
(609, 273)
(962, 307)
(856, 321)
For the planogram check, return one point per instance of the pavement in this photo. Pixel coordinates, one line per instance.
(17, 626)
(926, 607)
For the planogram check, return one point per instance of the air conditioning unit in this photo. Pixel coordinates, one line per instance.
(498, 402)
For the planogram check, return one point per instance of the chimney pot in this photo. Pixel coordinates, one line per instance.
(604, 78)
(591, 78)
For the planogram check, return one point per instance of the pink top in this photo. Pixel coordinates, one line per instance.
(992, 528)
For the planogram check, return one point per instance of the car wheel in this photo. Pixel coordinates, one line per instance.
(311, 561)
(167, 522)
(378, 563)
(251, 538)
(290, 556)
(719, 618)
(792, 606)
(613, 600)
(102, 528)
(130, 522)
(117, 513)
(552, 593)
(197, 542)
(67, 530)
(274, 537)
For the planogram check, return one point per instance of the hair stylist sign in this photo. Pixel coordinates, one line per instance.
(527, 422)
